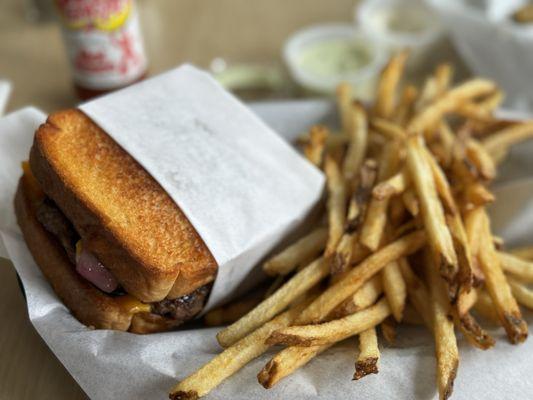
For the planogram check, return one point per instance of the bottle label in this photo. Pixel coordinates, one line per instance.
(103, 41)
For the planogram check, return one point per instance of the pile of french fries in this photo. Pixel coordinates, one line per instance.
(405, 237)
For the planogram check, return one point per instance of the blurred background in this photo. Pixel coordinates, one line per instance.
(241, 40)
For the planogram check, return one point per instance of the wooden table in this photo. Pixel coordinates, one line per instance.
(33, 58)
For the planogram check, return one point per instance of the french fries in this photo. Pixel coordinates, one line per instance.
(345, 254)
(303, 250)
(363, 298)
(332, 331)
(388, 84)
(395, 289)
(344, 100)
(376, 214)
(443, 330)
(393, 186)
(407, 240)
(270, 307)
(432, 210)
(336, 204)
(449, 102)
(356, 277)
(499, 142)
(523, 294)
(231, 359)
(517, 267)
(286, 362)
(388, 129)
(358, 134)
(367, 361)
(498, 288)
(314, 148)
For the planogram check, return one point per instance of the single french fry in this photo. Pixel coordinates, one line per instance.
(523, 294)
(485, 306)
(417, 292)
(405, 108)
(428, 93)
(411, 202)
(465, 275)
(393, 186)
(356, 277)
(394, 288)
(388, 330)
(441, 183)
(473, 332)
(344, 95)
(388, 129)
(270, 307)
(286, 362)
(446, 349)
(344, 253)
(443, 78)
(466, 301)
(449, 102)
(332, 331)
(477, 195)
(440, 238)
(302, 250)
(524, 15)
(363, 298)
(525, 252)
(507, 137)
(388, 84)
(447, 139)
(479, 156)
(376, 214)
(336, 205)
(341, 259)
(473, 223)
(498, 288)
(367, 360)
(231, 359)
(356, 151)
(314, 148)
(483, 110)
(517, 267)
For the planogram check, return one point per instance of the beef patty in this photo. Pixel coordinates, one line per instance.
(55, 222)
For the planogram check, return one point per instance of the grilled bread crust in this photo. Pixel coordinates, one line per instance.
(122, 214)
(88, 304)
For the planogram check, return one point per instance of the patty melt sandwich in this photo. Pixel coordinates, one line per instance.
(114, 246)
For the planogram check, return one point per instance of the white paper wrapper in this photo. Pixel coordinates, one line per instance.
(111, 364)
(492, 44)
(240, 184)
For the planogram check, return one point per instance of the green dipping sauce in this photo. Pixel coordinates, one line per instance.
(334, 57)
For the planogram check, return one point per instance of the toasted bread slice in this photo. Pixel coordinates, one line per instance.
(88, 304)
(122, 214)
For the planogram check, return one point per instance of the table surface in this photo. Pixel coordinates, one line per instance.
(32, 57)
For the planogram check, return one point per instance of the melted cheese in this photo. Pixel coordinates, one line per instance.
(131, 305)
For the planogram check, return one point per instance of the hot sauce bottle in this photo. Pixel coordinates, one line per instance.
(104, 44)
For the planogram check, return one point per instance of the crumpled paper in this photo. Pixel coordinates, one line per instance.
(492, 44)
(110, 365)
